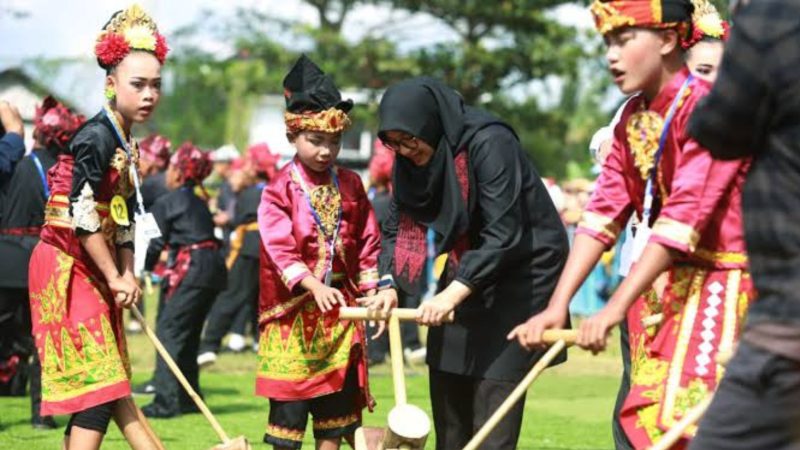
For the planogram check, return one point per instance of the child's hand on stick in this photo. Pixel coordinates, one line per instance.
(326, 297)
(384, 300)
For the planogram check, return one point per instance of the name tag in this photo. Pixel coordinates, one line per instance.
(148, 225)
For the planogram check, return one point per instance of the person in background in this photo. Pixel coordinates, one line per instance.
(12, 143)
(21, 220)
(704, 49)
(223, 205)
(153, 159)
(195, 274)
(239, 302)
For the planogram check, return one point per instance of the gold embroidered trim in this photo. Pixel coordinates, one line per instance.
(283, 307)
(686, 325)
(721, 257)
(730, 319)
(368, 276)
(285, 433)
(677, 231)
(293, 271)
(600, 224)
(607, 18)
(644, 129)
(337, 422)
(331, 120)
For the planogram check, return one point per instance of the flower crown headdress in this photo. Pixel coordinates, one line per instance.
(128, 30)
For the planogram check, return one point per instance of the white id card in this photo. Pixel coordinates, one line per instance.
(148, 225)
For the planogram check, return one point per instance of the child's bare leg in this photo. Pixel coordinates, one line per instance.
(134, 426)
(83, 439)
(328, 443)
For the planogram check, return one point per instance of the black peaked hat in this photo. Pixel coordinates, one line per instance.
(308, 89)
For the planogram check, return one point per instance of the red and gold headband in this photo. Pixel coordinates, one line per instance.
(616, 14)
(331, 120)
(131, 29)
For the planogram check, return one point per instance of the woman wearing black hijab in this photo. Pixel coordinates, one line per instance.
(463, 173)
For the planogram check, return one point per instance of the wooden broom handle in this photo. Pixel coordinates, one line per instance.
(396, 355)
(179, 375)
(404, 314)
(515, 395)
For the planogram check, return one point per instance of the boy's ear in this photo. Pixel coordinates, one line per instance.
(670, 41)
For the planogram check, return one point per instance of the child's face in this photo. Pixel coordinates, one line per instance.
(317, 150)
(704, 58)
(634, 58)
(173, 178)
(137, 84)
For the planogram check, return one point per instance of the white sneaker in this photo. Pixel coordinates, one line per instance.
(415, 356)
(206, 359)
(134, 326)
(236, 342)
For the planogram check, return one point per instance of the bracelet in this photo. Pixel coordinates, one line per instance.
(386, 282)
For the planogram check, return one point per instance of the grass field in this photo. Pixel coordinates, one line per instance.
(569, 407)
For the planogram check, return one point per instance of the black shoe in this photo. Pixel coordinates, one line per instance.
(154, 411)
(43, 423)
(190, 409)
(147, 388)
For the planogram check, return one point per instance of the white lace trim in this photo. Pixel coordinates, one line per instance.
(125, 234)
(84, 212)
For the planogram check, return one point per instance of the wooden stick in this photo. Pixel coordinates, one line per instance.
(568, 336)
(396, 355)
(359, 313)
(182, 379)
(674, 434)
(515, 395)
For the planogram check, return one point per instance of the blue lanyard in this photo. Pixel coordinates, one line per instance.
(318, 219)
(125, 145)
(42, 176)
(649, 190)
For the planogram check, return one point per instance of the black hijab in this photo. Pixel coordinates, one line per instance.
(433, 112)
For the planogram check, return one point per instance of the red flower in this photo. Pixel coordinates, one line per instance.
(161, 48)
(111, 49)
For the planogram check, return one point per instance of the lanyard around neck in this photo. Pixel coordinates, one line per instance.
(318, 218)
(127, 147)
(649, 190)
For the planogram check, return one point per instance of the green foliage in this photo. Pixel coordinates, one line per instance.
(500, 47)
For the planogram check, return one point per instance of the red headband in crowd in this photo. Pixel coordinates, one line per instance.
(193, 163)
(55, 123)
(263, 160)
(155, 149)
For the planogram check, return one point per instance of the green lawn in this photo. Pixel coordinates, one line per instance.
(569, 407)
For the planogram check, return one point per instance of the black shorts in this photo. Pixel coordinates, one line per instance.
(334, 415)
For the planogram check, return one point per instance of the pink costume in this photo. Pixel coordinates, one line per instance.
(708, 289)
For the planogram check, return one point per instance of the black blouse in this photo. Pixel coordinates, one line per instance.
(246, 212)
(184, 219)
(518, 249)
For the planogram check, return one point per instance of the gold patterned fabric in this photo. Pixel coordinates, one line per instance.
(331, 120)
(78, 334)
(673, 363)
(327, 202)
